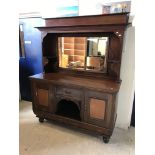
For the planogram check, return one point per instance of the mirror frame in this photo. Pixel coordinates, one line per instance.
(96, 34)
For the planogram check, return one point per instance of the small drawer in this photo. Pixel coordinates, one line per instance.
(68, 92)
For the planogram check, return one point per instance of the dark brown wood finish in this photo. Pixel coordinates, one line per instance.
(80, 82)
(111, 26)
(42, 95)
(90, 95)
(79, 90)
(107, 19)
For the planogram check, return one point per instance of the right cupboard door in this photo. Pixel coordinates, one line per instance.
(98, 108)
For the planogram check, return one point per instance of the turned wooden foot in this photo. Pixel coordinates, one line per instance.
(105, 139)
(41, 120)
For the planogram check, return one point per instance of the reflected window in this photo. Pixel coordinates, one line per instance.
(96, 53)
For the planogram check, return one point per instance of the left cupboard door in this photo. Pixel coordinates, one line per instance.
(43, 96)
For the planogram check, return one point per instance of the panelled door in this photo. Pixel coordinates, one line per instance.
(98, 108)
(44, 96)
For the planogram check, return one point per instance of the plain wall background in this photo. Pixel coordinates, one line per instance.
(126, 93)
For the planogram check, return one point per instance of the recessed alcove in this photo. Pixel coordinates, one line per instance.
(68, 109)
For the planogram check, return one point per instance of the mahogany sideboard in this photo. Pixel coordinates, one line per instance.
(79, 97)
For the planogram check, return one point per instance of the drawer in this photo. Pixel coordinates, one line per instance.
(76, 93)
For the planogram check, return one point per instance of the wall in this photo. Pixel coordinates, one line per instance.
(126, 94)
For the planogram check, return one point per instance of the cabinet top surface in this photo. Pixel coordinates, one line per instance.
(105, 85)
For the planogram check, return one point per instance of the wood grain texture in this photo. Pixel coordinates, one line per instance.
(77, 81)
(76, 124)
(108, 19)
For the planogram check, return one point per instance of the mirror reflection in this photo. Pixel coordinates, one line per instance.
(83, 53)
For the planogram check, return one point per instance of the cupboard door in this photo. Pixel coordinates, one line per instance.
(44, 96)
(98, 108)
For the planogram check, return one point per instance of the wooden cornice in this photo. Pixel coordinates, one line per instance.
(81, 22)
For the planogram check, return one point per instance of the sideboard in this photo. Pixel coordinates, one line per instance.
(81, 78)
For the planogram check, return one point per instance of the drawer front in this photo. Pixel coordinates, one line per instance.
(75, 93)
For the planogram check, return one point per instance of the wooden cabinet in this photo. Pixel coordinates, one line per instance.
(81, 102)
(67, 92)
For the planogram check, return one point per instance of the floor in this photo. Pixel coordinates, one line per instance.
(52, 139)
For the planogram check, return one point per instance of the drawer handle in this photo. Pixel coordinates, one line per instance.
(67, 92)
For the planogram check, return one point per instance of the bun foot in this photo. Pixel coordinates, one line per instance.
(105, 140)
(41, 120)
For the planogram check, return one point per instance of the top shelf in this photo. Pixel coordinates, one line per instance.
(94, 20)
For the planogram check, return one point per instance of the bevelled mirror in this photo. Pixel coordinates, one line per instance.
(83, 53)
